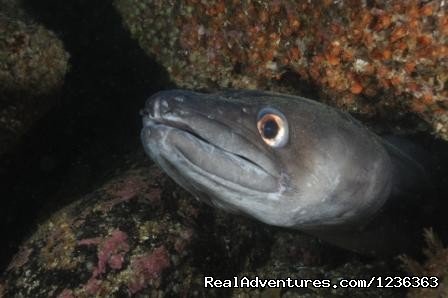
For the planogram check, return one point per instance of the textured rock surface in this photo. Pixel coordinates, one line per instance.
(139, 234)
(436, 264)
(33, 64)
(384, 58)
(115, 239)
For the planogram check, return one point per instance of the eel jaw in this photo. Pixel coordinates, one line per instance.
(217, 176)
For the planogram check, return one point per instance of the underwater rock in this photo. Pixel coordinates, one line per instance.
(115, 240)
(384, 58)
(33, 64)
(436, 264)
(140, 234)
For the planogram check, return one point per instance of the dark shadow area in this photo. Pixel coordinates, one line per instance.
(94, 124)
(428, 210)
(438, 155)
(291, 79)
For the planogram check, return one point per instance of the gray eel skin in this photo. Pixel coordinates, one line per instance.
(290, 162)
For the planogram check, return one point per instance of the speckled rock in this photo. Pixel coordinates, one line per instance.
(377, 58)
(435, 265)
(140, 234)
(33, 64)
(116, 240)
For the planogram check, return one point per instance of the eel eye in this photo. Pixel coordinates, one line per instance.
(273, 127)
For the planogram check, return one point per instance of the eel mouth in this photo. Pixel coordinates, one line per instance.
(193, 158)
(198, 159)
(194, 135)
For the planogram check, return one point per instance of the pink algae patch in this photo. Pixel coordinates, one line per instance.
(66, 293)
(111, 252)
(90, 241)
(93, 286)
(148, 267)
(126, 190)
(183, 240)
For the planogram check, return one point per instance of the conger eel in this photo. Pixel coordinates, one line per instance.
(287, 161)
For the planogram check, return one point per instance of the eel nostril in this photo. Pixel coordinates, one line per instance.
(164, 106)
(144, 112)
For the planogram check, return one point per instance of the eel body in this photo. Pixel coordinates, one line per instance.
(287, 161)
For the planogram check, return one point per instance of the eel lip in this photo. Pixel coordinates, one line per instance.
(217, 165)
(152, 115)
(149, 122)
(170, 110)
(199, 155)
